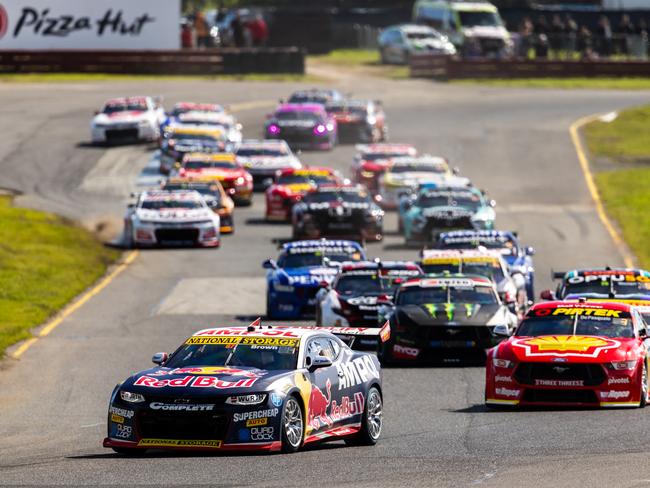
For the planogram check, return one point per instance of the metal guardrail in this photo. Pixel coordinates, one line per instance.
(445, 68)
(186, 62)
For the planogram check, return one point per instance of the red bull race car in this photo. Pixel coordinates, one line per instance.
(251, 388)
(574, 353)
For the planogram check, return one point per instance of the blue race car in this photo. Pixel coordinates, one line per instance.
(434, 210)
(519, 258)
(295, 278)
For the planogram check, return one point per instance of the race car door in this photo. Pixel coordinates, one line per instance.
(324, 383)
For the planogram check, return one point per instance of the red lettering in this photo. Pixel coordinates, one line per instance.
(180, 382)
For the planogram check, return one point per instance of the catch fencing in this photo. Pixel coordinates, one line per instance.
(186, 62)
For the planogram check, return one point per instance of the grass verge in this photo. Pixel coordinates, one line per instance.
(44, 263)
(625, 191)
(349, 57)
(110, 77)
(564, 83)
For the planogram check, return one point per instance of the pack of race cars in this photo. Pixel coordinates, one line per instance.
(466, 298)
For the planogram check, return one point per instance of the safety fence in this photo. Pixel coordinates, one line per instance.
(447, 68)
(187, 62)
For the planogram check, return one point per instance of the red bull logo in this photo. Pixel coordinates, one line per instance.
(4, 21)
(318, 404)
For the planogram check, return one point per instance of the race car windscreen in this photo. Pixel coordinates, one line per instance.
(483, 295)
(298, 179)
(124, 107)
(443, 199)
(333, 196)
(317, 258)
(192, 138)
(304, 98)
(246, 152)
(379, 156)
(488, 269)
(506, 245)
(270, 354)
(353, 109)
(570, 323)
(418, 168)
(420, 35)
(482, 19)
(192, 165)
(606, 286)
(165, 204)
(299, 115)
(202, 188)
(368, 283)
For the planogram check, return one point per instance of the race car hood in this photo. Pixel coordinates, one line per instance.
(120, 117)
(268, 162)
(446, 212)
(486, 32)
(306, 276)
(179, 215)
(200, 382)
(448, 314)
(562, 349)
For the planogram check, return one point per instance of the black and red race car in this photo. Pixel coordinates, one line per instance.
(574, 353)
(251, 388)
(373, 160)
(359, 120)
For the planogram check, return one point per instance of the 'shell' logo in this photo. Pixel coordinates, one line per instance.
(4, 21)
(561, 345)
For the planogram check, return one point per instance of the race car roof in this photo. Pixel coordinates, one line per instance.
(214, 117)
(286, 331)
(321, 244)
(164, 195)
(457, 280)
(372, 266)
(423, 160)
(477, 235)
(127, 100)
(380, 148)
(204, 107)
(209, 157)
(581, 304)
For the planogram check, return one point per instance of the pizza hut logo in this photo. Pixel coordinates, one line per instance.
(4, 21)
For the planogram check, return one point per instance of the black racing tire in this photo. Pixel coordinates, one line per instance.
(371, 422)
(269, 315)
(644, 386)
(384, 354)
(292, 425)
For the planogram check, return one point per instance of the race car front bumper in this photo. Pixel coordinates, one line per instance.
(561, 384)
(123, 132)
(204, 234)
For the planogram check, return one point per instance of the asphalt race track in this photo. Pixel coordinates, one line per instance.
(514, 143)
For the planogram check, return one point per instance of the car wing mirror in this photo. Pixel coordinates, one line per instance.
(385, 302)
(159, 358)
(316, 362)
(492, 203)
(270, 264)
(502, 331)
(530, 251)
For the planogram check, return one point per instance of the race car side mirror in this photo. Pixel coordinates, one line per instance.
(492, 203)
(159, 358)
(456, 170)
(385, 302)
(547, 295)
(530, 251)
(96, 112)
(131, 205)
(643, 334)
(323, 285)
(316, 362)
(270, 264)
(501, 331)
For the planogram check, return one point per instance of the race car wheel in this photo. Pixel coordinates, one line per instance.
(372, 421)
(292, 425)
(644, 386)
(268, 307)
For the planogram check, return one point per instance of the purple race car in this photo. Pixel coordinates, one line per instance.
(302, 125)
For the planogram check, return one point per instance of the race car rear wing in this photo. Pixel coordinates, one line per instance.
(349, 334)
(557, 275)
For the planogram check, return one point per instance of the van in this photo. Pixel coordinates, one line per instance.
(474, 27)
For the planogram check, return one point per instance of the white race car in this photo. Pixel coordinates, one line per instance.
(126, 120)
(263, 158)
(178, 217)
(404, 175)
(223, 121)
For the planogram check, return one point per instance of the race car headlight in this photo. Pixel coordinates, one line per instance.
(283, 288)
(503, 363)
(240, 181)
(622, 365)
(127, 396)
(252, 399)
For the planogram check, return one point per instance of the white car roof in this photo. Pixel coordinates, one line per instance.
(176, 195)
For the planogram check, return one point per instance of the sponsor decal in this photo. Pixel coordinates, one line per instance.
(122, 412)
(195, 382)
(276, 400)
(178, 443)
(503, 379)
(356, 372)
(567, 346)
(323, 411)
(234, 332)
(257, 422)
(258, 414)
(588, 312)
(449, 283)
(259, 341)
(507, 392)
(213, 340)
(182, 407)
(118, 419)
(405, 352)
(363, 301)
(591, 276)
(559, 383)
(614, 395)
(262, 433)
(124, 431)
(618, 381)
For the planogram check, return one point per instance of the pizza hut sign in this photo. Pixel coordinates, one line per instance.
(96, 24)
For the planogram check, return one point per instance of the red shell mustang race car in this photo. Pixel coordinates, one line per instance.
(573, 353)
(372, 160)
(291, 185)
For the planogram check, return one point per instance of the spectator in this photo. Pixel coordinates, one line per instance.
(526, 37)
(237, 28)
(187, 36)
(259, 30)
(626, 29)
(584, 43)
(604, 37)
(541, 37)
(202, 30)
(556, 34)
(570, 35)
(541, 26)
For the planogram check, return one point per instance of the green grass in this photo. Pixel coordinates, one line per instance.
(110, 77)
(44, 263)
(349, 57)
(565, 83)
(625, 138)
(626, 197)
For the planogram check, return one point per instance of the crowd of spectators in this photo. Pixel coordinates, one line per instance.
(563, 38)
(226, 28)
